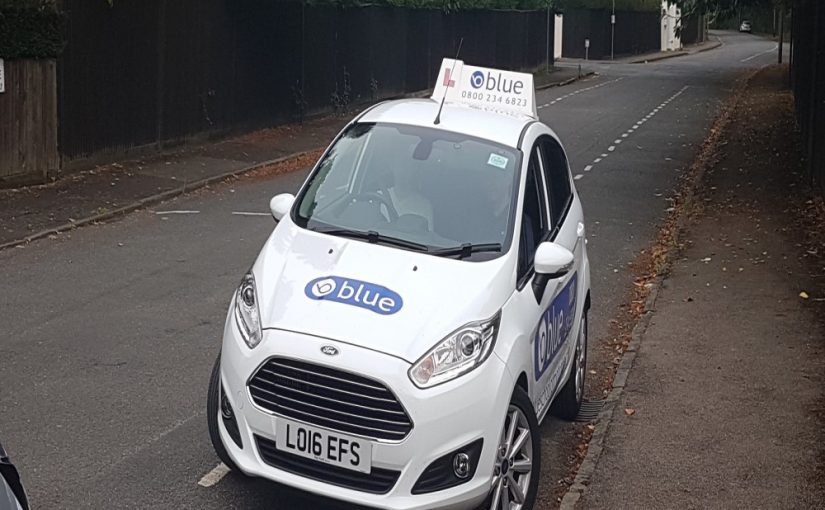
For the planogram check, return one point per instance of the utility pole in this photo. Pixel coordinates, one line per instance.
(548, 37)
(781, 32)
(612, 30)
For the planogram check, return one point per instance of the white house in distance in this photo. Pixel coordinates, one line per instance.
(671, 17)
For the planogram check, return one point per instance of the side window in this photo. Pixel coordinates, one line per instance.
(533, 217)
(558, 178)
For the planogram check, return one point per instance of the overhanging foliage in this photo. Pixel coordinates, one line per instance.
(30, 29)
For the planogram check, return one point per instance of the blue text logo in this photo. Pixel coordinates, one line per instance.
(348, 291)
(555, 326)
(496, 83)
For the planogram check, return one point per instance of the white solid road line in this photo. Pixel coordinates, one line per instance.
(241, 213)
(760, 54)
(214, 476)
(164, 213)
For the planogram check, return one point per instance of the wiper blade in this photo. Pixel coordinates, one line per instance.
(373, 237)
(466, 249)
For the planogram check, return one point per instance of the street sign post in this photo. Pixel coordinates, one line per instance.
(587, 49)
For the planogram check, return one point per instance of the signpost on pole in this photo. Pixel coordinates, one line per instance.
(587, 49)
(612, 29)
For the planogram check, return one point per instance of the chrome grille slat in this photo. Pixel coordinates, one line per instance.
(330, 388)
(329, 398)
(363, 427)
(317, 374)
(343, 402)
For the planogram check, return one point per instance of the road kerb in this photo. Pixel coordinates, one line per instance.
(594, 449)
(150, 200)
(574, 79)
(701, 164)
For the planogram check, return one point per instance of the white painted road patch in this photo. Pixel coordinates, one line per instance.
(214, 476)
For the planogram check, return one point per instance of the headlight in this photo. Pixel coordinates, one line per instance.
(247, 315)
(459, 353)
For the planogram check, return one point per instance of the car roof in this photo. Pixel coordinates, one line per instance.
(502, 128)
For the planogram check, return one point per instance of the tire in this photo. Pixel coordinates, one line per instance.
(511, 474)
(569, 400)
(213, 411)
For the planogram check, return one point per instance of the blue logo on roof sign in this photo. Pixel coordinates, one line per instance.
(353, 292)
(477, 79)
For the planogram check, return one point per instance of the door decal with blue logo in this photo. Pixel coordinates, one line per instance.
(353, 292)
(554, 327)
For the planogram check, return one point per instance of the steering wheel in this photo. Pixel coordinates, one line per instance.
(371, 195)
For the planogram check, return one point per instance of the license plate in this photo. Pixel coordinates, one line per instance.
(322, 445)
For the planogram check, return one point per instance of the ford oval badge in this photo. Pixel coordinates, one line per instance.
(329, 350)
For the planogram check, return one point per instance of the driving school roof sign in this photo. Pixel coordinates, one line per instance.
(489, 89)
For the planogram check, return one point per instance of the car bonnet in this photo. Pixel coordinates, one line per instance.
(379, 297)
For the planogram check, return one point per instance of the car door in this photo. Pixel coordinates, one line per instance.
(555, 327)
(533, 227)
(567, 230)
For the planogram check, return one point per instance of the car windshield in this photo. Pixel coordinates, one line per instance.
(431, 189)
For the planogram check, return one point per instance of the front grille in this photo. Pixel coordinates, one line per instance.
(378, 481)
(329, 398)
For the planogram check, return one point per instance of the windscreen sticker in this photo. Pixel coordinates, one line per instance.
(554, 327)
(348, 291)
(497, 160)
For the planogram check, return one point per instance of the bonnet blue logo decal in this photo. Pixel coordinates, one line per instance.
(353, 292)
(555, 326)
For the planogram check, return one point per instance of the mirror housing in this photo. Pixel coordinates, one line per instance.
(553, 260)
(281, 204)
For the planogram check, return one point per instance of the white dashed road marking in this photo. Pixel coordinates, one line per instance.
(760, 54)
(214, 476)
(630, 131)
(576, 92)
(241, 213)
(164, 213)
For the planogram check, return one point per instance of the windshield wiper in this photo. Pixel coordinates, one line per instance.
(466, 249)
(373, 237)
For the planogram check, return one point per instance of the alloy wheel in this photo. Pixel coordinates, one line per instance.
(514, 463)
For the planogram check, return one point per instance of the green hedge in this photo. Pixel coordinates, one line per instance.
(35, 32)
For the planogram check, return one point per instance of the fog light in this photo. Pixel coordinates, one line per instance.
(226, 408)
(461, 465)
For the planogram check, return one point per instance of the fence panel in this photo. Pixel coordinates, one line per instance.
(160, 71)
(808, 81)
(28, 135)
(108, 76)
(636, 33)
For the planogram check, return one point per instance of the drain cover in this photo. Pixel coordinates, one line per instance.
(590, 410)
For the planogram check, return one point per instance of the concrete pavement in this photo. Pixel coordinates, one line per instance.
(725, 404)
(109, 335)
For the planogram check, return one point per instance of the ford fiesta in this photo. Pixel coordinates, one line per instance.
(417, 311)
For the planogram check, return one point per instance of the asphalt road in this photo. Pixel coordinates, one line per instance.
(109, 334)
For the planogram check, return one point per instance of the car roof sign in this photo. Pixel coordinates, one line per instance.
(487, 89)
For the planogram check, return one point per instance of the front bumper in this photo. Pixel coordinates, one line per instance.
(445, 418)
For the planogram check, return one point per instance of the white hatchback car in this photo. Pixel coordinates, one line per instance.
(418, 309)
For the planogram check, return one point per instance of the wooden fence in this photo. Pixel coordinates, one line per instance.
(28, 122)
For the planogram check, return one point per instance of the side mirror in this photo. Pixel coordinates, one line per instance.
(281, 204)
(553, 260)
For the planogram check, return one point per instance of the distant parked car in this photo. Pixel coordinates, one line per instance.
(745, 27)
(12, 494)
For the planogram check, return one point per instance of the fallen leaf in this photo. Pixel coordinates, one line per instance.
(630, 411)
(803, 295)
